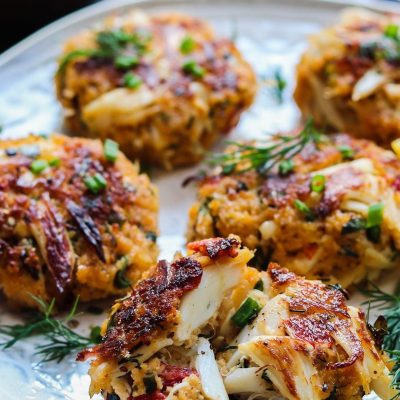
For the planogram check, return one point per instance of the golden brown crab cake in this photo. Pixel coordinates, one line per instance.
(77, 218)
(207, 326)
(333, 215)
(163, 86)
(349, 77)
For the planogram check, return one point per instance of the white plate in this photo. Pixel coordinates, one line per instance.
(270, 33)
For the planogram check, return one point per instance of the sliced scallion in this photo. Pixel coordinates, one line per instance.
(187, 45)
(346, 151)
(131, 80)
(318, 183)
(110, 150)
(191, 67)
(304, 209)
(375, 215)
(38, 166)
(95, 183)
(246, 312)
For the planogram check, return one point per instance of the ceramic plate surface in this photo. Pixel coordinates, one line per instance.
(271, 34)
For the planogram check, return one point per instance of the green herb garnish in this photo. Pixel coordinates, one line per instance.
(38, 166)
(280, 85)
(353, 225)
(191, 67)
(285, 167)
(263, 158)
(304, 209)
(375, 215)
(126, 62)
(55, 162)
(60, 340)
(318, 183)
(95, 183)
(150, 383)
(246, 312)
(131, 80)
(392, 31)
(120, 279)
(112, 45)
(111, 150)
(187, 45)
(259, 285)
(346, 151)
(389, 332)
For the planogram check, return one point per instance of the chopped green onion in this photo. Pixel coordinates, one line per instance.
(91, 184)
(110, 150)
(392, 31)
(150, 383)
(187, 45)
(346, 151)
(353, 225)
(55, 162)
(318, 183)
(126, 62)
(38, 166)
(286, 167)
(191, 67)
(95, 183)
(375, 215)
(132, 81)
(246, 312)
(304, 209)
(100, 180)
(259, 285)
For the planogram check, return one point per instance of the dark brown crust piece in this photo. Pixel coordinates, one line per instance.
(216, 247)
(150, 307)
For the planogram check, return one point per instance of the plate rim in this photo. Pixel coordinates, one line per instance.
(106, 6)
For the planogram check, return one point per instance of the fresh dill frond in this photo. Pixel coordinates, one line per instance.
(389, 304)
(60, 340)
(264, 157)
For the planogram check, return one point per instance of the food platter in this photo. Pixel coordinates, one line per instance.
(270, 34)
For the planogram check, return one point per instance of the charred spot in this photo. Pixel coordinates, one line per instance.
(87, 226)
(216, 247)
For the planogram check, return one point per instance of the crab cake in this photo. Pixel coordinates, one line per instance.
(164, 87)
(331, 212)
(207, 326)
(76, 218)
(349, 77)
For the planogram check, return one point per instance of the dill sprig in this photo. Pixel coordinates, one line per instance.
(389, 304)
(264, 157)
(60, 339)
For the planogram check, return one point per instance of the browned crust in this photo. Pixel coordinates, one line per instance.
(151, 306)
(50, 222)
